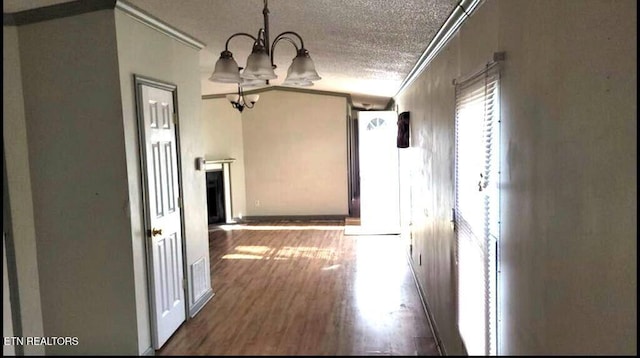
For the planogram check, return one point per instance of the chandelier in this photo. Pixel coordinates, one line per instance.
(259, 67)
(240, 101)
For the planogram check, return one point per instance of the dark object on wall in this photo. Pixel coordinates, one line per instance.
(403, 130)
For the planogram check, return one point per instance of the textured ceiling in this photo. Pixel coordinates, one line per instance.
(362, 47)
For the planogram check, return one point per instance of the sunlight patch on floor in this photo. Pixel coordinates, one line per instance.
(281, 228)
(284, 253)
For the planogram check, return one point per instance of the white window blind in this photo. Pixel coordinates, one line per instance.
(477, 208)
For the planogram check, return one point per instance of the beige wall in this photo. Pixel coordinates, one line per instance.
(568, 185)
(19, 188)
(79, 182)
(148, 52)
(428, 166)
(295, 150)
(73, 174)
(222, 136)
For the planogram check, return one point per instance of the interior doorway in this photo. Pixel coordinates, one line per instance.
(215, 197)
(378, 169)
(157, 114)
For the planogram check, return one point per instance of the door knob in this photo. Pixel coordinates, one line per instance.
(155, 232)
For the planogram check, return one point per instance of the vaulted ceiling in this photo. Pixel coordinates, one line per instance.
(362, 47)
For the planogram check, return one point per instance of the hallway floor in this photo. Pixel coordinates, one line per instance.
(304, 288)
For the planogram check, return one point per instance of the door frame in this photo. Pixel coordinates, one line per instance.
(140, 81)
(353, 164)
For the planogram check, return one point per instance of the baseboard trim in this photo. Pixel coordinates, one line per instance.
(293, 217)
(149, 352)
(201, 302)
(427, 311)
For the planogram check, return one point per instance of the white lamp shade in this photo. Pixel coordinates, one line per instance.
(252, 98)
(226, 69)
(303, 68)
(298, 82)
(259, 66)
(233, 98)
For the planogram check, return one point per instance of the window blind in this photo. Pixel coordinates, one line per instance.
(477, 208)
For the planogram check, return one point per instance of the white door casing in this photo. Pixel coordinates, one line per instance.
(379, 181)
(163, 212)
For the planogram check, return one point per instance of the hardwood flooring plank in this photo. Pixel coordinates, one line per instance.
(304, 288)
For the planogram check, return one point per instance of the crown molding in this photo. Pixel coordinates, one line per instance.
(458, 16)
(159, 25)
(79, 7)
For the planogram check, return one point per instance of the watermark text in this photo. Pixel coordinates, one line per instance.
(40, 341)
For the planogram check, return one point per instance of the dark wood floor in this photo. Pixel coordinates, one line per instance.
(304, 288)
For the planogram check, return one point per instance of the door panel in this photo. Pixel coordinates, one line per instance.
(164, 216)
(169, 281)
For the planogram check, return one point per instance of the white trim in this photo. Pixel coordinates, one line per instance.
(426, 308)
(226, 177)
(199, 304)
(149, 352)
(225, 166)
(158, 24)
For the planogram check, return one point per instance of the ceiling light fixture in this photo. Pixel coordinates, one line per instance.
(260, 66)
(240, 101)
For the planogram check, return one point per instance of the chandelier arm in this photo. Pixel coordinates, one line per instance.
(226, 45)
(241, 99)
(249, 105)
(278, 39)
(237, 104)
(242, 102)
(291, 33)
(265, 31)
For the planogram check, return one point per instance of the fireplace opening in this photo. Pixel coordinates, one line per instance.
(215, 197)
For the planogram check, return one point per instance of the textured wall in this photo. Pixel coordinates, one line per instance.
(569, 253)
(568, 184)
(295, 148)
(428, 166)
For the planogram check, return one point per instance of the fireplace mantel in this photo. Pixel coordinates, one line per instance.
(216, 164)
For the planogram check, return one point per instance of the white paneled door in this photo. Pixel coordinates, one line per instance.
(379, 183)
(164, 226)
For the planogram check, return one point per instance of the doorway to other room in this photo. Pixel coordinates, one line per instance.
(215, 197)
